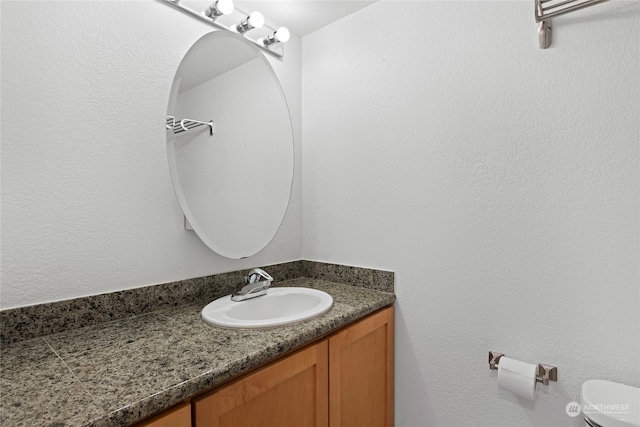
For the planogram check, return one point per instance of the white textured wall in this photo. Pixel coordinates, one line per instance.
(87, 201)
(499, 180)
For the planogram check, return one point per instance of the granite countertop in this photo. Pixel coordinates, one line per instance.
(123, 371)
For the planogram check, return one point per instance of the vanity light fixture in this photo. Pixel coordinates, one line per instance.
(219, 8)
(281, 35)
(222, 13)
(255, 20)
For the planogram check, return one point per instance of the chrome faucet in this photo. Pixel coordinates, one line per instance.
(257, 283)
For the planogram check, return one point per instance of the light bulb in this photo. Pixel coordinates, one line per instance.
(255, 20)
(282, 35)
(219, 8)
(225, 6)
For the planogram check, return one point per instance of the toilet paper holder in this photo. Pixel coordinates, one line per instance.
(544, 373)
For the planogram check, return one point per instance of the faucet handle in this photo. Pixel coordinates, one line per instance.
(257, 275)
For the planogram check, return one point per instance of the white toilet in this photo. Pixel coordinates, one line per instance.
(609, 404)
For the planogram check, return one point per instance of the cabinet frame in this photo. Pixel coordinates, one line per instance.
(362, 334)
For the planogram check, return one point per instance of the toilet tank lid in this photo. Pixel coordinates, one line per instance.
(610, 404)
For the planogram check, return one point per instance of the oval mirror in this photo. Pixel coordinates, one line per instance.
(230, 144)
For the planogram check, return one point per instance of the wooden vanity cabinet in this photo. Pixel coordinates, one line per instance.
(361, 373)
(345, 380)
(289, 392)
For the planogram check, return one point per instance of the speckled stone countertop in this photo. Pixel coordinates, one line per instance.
(123, 371)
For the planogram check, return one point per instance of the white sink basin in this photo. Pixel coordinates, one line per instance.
(281, 306)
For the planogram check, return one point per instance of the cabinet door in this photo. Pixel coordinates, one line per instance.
(289, 392)
(361, 373)
(178, 416)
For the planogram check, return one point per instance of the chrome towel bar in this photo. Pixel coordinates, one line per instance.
(547, 9)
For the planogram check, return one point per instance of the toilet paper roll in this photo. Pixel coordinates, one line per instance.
(517, 377)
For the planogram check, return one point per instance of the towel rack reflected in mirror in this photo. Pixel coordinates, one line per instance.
(179, 126)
